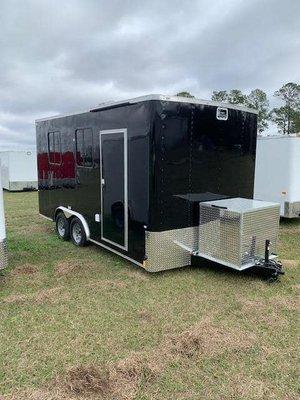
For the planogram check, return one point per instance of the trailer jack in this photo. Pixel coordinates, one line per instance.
(272, 268)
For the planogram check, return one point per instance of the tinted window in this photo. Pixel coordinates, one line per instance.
(54, 147)
(84, 147)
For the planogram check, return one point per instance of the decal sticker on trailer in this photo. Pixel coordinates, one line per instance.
(222, 113)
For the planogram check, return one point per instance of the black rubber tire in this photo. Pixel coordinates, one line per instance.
(62, 226)
(77, 232)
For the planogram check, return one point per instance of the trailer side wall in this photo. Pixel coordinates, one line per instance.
(68, 184)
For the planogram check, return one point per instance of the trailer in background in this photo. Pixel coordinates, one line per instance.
(19, 170)
(277, 173)
(3, 247)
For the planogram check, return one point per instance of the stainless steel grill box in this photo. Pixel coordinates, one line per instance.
(233, 232)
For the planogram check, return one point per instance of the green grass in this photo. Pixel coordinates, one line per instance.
(63, 306)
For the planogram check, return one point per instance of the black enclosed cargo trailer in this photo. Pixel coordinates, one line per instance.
(131, 174)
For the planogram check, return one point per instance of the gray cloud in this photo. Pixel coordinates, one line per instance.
(59, 56)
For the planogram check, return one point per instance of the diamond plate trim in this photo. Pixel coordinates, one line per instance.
(170, 249)
(219, 234)
(259, 226)
(3, 254)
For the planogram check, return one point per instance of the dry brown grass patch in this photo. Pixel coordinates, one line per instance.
(269, 308)
(50, 294)
(26, 269)
(137, 273)
(42, 296)
(122, 380)
(128, 374)
(260, 311)
(290, 263)
(145, 315)
(67, 267)
(106, 284)
(15, 298)
(208, 339)
(288, 302)
(118, 381)
(241, 386)
(36, 228)
(83, 380)
(252, 305)
(40, 394)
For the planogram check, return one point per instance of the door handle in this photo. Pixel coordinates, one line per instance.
(102, 182)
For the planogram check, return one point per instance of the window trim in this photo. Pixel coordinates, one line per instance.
(60, 152)
(93, 161)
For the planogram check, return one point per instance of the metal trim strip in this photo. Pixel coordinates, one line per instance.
(44, 216)
(159, 97)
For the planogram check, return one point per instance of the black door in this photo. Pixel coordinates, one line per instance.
(114, 201)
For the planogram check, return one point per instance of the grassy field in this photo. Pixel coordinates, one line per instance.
(81, 323)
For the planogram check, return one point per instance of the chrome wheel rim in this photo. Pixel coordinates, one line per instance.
(61, 227)
(77, 233)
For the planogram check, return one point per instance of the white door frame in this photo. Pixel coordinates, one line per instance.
(108, 132)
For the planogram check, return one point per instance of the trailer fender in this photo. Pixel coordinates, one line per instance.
(70, 213)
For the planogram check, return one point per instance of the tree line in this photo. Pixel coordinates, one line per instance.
(286, 116)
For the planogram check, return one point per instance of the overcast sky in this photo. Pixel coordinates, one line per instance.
(67, 55)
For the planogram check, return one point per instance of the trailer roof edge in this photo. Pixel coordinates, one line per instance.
(160, 97)
(178, 99)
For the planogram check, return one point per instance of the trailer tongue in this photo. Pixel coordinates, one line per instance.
(239, 233)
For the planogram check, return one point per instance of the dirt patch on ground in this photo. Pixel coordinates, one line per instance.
(85, 380)
(26, 269)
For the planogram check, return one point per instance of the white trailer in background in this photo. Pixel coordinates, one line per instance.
(3, 248)
(277, 173)
(19, 170)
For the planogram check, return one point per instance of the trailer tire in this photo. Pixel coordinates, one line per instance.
(62, 226)
(77, 232)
